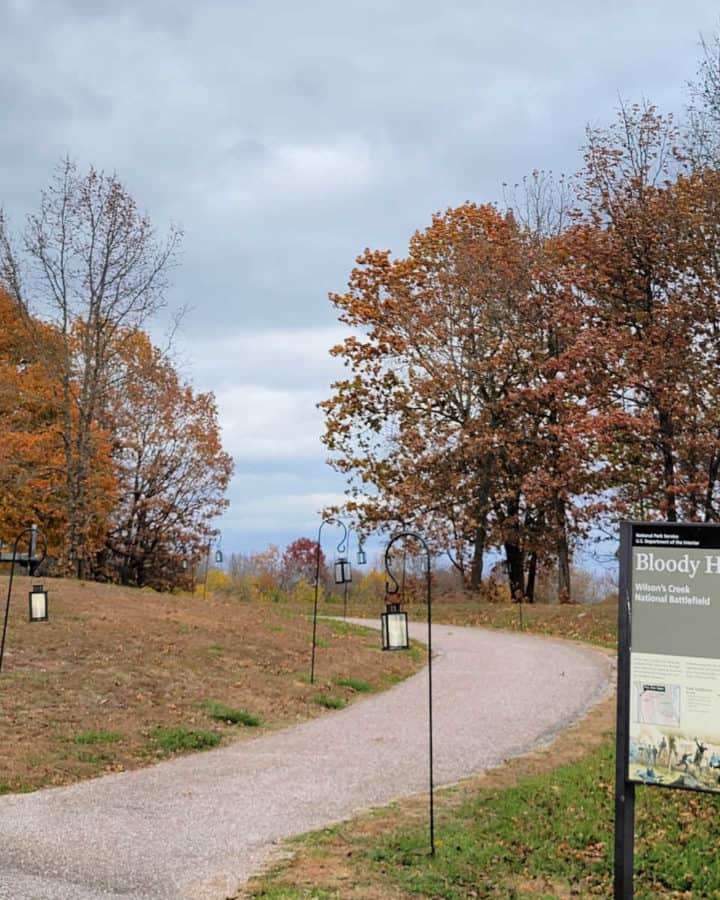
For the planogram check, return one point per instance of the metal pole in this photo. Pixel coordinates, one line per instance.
(207, 566)
(317, 581)
(417, 537)
(345, 586)
(315, 605)
(624, 789)
(430, 703)
(32, 531)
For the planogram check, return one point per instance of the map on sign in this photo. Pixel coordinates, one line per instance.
(657, 704)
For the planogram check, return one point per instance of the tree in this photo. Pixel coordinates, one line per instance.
(30, 447)
(90, 263)
(172, 471)
(299, 561)
(266, 568)
(703, 138)
(444, 423)
(646, 262)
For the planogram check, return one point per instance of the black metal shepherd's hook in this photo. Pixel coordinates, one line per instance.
(342, 545)
(340, 548)
(344, 548)
(33, 562)
(394, 590)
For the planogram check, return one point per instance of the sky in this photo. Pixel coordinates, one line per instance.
(285, 138)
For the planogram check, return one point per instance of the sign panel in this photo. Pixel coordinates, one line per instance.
(674, 683)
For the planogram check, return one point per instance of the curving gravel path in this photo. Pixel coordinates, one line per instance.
(199, 826)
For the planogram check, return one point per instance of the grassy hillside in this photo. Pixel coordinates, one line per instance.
(120, 678)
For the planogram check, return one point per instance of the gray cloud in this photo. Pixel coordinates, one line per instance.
(286, 137)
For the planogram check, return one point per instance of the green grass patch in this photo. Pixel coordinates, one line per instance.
(174, 740)
(223, 713)
(342, 628)
(389, 679)
(16, 787)
(556, 831)
(322, 643)
(98, 737)
(355, 684)
(329, 701)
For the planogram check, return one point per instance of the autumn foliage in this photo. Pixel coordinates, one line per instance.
(157, 471)
(518, 377)
(103, 444)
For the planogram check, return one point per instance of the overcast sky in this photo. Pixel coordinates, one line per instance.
(285, 137)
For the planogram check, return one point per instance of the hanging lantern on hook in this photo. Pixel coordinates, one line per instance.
(38, 604)
(343, 573)
(394, 623)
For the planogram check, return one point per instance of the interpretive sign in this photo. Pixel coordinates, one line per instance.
(674, 729)
(668, 715)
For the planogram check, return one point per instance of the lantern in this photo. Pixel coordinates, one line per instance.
(394, 624)
(343, 574)
(38, 604)
(361, 557)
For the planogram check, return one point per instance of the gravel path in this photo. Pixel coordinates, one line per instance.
(199, 826)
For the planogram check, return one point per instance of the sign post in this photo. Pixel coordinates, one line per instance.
(668, 703)
(624, 788)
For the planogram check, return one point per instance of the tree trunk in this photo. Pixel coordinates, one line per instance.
(710, 488)
(563, 553)
(532, 574)
(476, 571)
(515, 570)
(667, 432)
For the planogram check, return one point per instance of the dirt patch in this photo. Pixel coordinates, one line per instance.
(84, 693)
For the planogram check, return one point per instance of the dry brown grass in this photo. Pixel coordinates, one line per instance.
(592, 623)
(114, 661)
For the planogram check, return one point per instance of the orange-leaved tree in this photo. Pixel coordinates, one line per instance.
(171, 469)
(644, 261)
(32, 459)
(89, 263)
(30, 442)
(443, 424)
